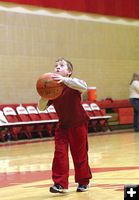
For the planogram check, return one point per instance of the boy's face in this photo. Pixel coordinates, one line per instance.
(62, 68)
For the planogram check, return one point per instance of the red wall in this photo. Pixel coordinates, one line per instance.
(121, 8)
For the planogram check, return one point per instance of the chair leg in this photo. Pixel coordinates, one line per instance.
(107, 125)
(40, 134)
(2, 135)
(93, 125)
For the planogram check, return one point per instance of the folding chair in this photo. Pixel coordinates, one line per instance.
(34, 116)
(3, 119)
(11, 117)
(52, 112)
(3, 130)
(53, 115)
(44, 115)
(88, 110)
(24, 117)
(92, 120)
(101, 118)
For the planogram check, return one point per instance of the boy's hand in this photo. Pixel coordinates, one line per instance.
(58, 78)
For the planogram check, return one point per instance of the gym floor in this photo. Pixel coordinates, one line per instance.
(25, 168)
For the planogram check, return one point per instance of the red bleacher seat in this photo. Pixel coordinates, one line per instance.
(88, 109)
(34, 116)
(24, 117)
(52, 112)
(92, 122)
(3, 130)
(101, 117)
(12, 117)
(3, 119)
(44, 115)
(53, 115)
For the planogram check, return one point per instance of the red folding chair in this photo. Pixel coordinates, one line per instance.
(52, 112)
(92, 120)
(101, 118)
(53, 115)
(34, 116)
(3, 129)
(24, 117)
(11, 117)
(44, 115)
(88, 110)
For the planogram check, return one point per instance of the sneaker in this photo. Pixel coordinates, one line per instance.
(82, 188)
(56, 188)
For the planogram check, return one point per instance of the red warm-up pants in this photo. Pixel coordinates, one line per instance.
(76, 139)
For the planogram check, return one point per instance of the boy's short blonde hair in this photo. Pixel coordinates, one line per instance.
(69, 64)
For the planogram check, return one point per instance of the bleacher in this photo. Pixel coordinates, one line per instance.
(26, 121)
(121, 111)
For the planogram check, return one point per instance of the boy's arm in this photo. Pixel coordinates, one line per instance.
(43, 104)
(75, 83)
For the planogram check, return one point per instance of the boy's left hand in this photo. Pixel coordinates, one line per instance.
(58, 78)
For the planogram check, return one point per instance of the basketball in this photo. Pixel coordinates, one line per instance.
(47, 87)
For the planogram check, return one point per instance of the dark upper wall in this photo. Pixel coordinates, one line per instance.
(120, 8)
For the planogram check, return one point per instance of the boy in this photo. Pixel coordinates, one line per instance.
(72, 131)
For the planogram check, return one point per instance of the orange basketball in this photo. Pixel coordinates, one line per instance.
(47, 87)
